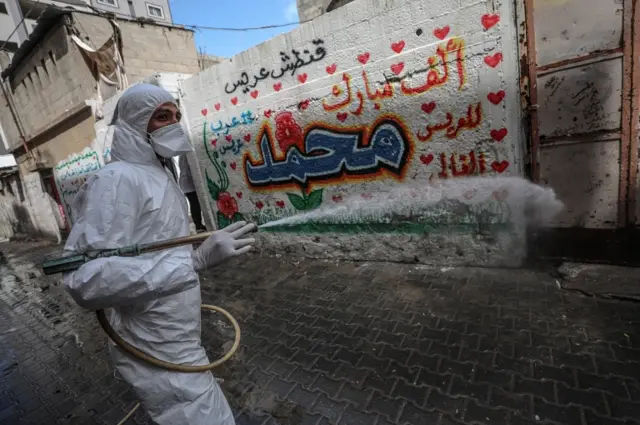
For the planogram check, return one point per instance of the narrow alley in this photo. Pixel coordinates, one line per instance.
(343, 343)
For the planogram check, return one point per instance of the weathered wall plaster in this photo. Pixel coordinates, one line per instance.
(358, 102)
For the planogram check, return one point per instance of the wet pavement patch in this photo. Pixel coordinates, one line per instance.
(343, 343)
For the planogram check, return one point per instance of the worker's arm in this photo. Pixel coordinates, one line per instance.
(107, 212)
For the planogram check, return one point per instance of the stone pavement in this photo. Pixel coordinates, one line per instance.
(344, 343)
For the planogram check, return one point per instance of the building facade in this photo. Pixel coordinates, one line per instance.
(158, 10)
(18, 18)
(54, 90)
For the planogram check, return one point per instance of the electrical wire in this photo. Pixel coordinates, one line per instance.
(263, 27)
(21, 22)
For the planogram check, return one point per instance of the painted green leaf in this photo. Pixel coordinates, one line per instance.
(222, 220)
(224, 164)
(214, 189)
(314, 199)
(237, 217)
(215, 154)
(297, 201)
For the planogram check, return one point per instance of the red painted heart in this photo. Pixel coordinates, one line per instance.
(496, 97)
(398, 46)
(426, 159)
(204, 112)
(331, 69)
(233, 165)
(342, 116)
(254, 94)
(302, 78)
(337, 198)
(228, 137)
(397, 68)
(234, 100)
(500, 166)
(489, 20)
(428, 108)
(441, 33)
(364, 58)
(217, 106)
(268, 113)
(239, 195)
(376, 106)
(498, 135)
(304, 104)
(213, 142)
(259, 205)
(247, 137)
(277, 86)
(280, 204)
(493, 60)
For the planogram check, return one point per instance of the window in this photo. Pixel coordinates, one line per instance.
(3, 8)
(111, 3)
(155, 11)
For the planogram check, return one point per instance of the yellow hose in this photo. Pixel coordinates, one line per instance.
(141, 355)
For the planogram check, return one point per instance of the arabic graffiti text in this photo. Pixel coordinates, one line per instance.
(71, 174)
(345, 100)
(246, 118)
(329, 154)
(451, 127)
(291, 62)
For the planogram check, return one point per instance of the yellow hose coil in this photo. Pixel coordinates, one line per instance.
(141, 355)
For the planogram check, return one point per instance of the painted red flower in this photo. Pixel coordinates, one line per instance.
(288, 132)
(227, 205)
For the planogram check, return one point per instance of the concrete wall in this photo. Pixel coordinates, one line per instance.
(310, 9)
(52, 81)
(26, 209)
(406, 93)
(147, 49)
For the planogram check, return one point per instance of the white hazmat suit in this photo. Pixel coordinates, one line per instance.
(153, 299)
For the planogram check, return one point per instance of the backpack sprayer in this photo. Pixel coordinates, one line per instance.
(73, 262)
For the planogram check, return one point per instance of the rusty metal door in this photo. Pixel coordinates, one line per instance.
(580, 93)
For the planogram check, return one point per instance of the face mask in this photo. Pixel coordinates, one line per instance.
(170, 141)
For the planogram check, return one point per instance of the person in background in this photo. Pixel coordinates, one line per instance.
(152, 300)
(188, 187)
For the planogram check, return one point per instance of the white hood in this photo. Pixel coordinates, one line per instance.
(130, 119)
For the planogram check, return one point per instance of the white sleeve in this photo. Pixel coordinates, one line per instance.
(106, 219)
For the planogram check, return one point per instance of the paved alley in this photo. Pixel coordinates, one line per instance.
(344, 343)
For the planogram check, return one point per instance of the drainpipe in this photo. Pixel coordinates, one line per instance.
(16, 118)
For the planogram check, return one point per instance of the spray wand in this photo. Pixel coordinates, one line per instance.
(73, 262)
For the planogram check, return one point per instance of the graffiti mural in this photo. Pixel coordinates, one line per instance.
(71, 174)
(328, 154)
(307, 128)
(226, 204)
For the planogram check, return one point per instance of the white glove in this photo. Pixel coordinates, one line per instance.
(223, 245)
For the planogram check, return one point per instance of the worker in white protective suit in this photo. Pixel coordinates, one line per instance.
(154, 299)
